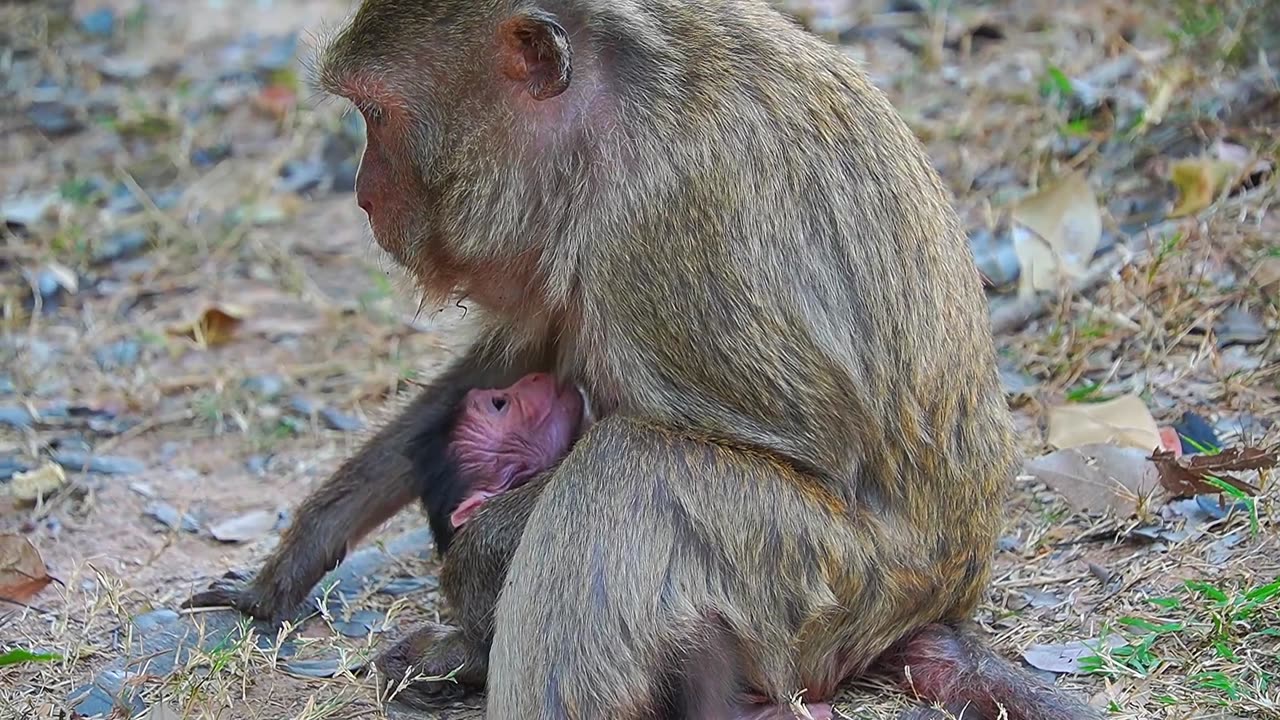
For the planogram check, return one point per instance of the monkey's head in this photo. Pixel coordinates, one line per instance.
(466, 107)
(503, 438)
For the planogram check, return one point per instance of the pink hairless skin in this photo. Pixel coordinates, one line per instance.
(506, 437)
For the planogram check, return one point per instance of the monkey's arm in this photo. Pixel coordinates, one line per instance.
(365, 491)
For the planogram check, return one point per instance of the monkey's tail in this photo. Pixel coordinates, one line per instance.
(957, 669)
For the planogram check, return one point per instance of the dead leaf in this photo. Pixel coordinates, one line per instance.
(1267, 275)
(1164, 86)
(245, 527)
(1065, 658)
(1187, 476)
(214, 326)
(35, 485)
(1200, 181)
(64, 276)
(1098, 478)
(161, 712)
(22, 572)
(1065, 227)
(1123, 421)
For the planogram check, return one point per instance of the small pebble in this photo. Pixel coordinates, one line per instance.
(340, 421)
(147, 622)
(1239, 327)
(10, 466)
(1195, 432)
(119, 246)
(302, 405)
(25, 211)
(320, 668)
(278, 54)
(117, 355)
(167, 199)
(76, 461)
(210, 156)
(100, 22)
(406, 585)
(123, 201)
(360, 624)
(15, 416)
(299, 177)
(91, 701)
(257, 464)
(169, 516)
(995, 257)
(54, 119)
(264, 386)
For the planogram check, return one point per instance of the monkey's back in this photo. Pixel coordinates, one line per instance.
(789, 271)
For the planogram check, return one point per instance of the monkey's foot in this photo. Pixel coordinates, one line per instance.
(816, 711)
(432, 663)
(236, 590)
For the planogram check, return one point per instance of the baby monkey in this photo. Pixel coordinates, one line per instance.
(506, 437)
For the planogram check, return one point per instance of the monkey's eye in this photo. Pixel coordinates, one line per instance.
(499, 403)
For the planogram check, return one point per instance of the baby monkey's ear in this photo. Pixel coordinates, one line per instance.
(536, 53)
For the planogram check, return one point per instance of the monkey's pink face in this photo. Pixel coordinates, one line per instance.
(504, 438)
(387, 178)
(428, 103)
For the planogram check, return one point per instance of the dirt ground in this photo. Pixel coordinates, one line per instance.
(196, 327)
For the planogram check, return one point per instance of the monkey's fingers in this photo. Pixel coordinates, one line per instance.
(232, 590)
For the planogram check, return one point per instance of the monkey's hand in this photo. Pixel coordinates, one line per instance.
(237, 590)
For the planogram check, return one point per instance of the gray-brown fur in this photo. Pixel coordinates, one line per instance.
(727, 237)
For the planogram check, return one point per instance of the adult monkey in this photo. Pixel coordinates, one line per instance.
(711, 222)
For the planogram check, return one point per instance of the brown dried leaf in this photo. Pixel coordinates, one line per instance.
(1188, 476)
(1066, 227)
(1098, 478)
(1199, 182)
(22, 572)
(216, 325)
(1123, 421)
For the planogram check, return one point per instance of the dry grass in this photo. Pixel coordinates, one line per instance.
(1195, 618)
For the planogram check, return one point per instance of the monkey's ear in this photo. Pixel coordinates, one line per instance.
(536, 52)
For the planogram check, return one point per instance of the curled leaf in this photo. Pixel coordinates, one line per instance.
(1065, 228)
(1098, 478)
(214, 326)
(1200, 181)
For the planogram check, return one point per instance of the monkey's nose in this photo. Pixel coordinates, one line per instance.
(365, 204)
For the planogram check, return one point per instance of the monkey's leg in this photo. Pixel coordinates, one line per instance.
(472, 576)
(639, 537)
(365, 491)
